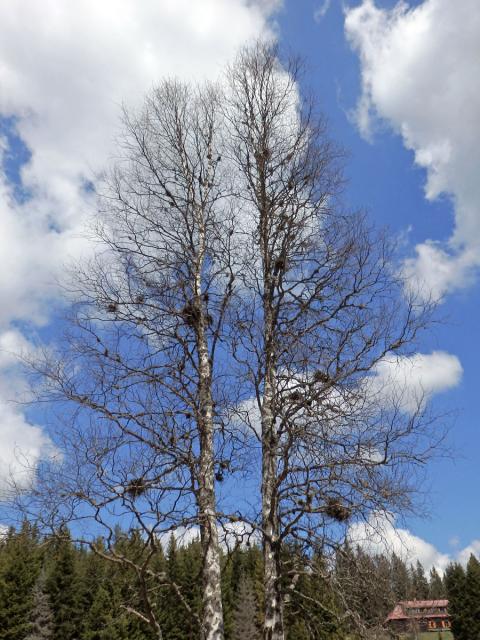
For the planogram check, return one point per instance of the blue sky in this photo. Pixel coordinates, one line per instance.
(384, 178)
(399, 86)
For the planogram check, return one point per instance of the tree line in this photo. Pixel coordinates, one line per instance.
(463, 589)
(54, 589)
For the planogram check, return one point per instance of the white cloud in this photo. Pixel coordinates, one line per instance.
(183, 536)
(16, 349)
(231, 535)
(464, 555)
(400, 382)
(410, 381)
(32, 252)
(65, 67)
(419, 73)
(246, 416)
(64, 72)
(12, 344)
(435, 270)
(380, 535)
(238, 533)
(321, 11)
(23, 445)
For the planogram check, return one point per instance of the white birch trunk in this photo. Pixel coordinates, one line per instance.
(273, 625)
(213, 628)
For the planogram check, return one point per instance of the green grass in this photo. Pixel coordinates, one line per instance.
(428, 635)
(433, 635)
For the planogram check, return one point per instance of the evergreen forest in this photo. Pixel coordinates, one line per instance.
(51, 587)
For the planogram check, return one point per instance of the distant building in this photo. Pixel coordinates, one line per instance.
(418, 616)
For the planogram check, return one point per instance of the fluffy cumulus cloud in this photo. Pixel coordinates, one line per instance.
(380, 534)
(64, 72)
(407, 382)
(419, 69)
(23, 445)
(464, 554)
(403, 383)
(65, 68)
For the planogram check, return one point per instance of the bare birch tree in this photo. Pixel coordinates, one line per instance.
(321, 309)
(138, 376)
(229, 283)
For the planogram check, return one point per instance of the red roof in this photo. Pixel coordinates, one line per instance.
(423, 604)
(408, 609)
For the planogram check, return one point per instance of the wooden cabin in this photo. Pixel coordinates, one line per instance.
(418, 616)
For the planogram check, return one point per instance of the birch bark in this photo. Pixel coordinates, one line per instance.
(273, 625)
(212, 595)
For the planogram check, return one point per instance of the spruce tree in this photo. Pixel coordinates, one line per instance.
(100, 622)
(419, 581)
(384, 588)
(312, 610)
(231, 574)
(190, 565)
(436, 588)
(455, 582)
(400, 579)
(253, 564)
(90, 575)
(172, 614)
(41, 617)
(245, 627)
(472, 597)
(19, 571)
(125, 591)
(63, 588)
